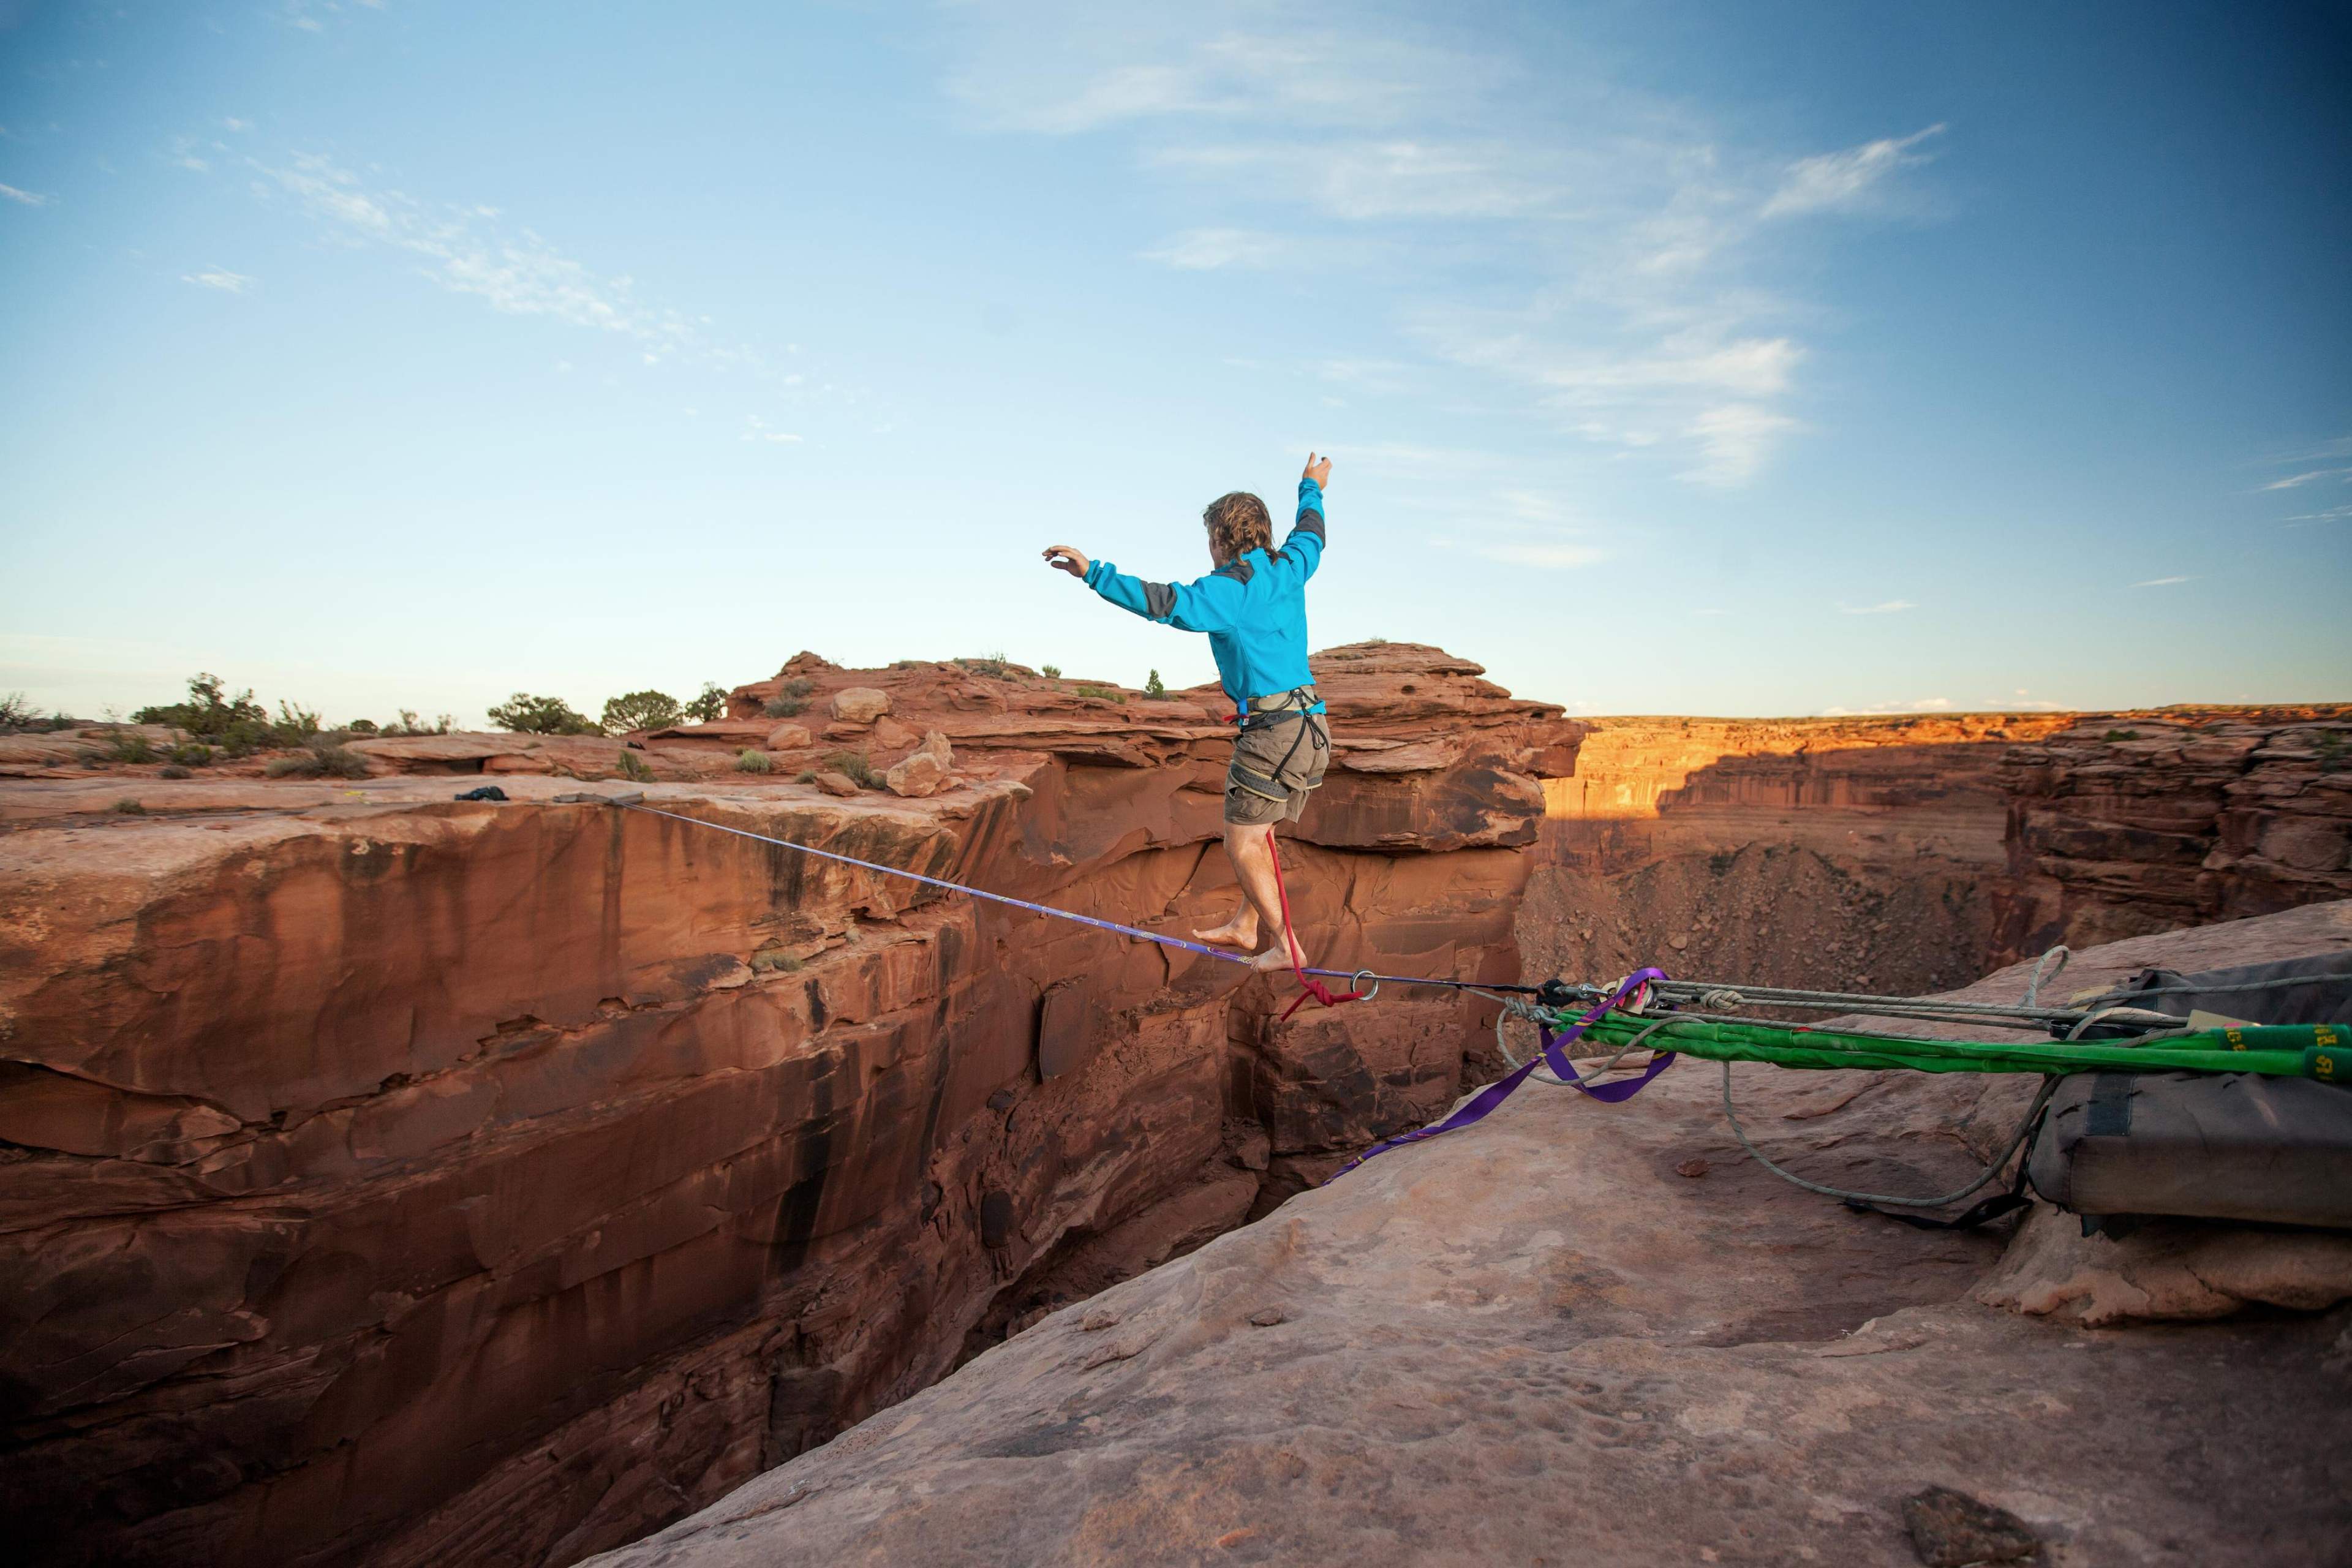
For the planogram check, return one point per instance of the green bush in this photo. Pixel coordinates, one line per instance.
(410, 724)
(129, 746)
(16, 713)
(129, 807)
(237, 724)
(807, 775)
(362, 727)
(748, 761)
(635, 768)
(1153, 686)
(858, 767)
(191, 754)
(326, 759)
(174, 771)
(642, 710)
(523, 714)
(1105, 692)
(1050, 672)
(785, 707)
(992, 664)
(711, 705)
(2123, 735)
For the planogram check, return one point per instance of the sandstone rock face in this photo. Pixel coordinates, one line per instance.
(397, 1181)
(920, 773)
(860, 705)
(1535, 1341)
(2146, 821)
(1899, 854)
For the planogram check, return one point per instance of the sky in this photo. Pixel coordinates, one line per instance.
(1743, 359)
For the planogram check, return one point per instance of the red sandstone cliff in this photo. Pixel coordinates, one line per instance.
(1903, 854)
(390, 1180)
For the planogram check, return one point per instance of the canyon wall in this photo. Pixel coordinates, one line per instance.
(394, 1180)
(1907, 854)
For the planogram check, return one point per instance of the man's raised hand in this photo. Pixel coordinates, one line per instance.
(1074, 561)
(1319, 469)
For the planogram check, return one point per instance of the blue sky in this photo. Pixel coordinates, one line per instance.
(1744, 359)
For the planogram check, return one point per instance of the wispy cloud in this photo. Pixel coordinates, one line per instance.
(26, 198)
(1888, 608)
(1916, 705)
(219, 277)
(2163, 582)
(1547, 557)
(2296, 481)
(234, 123)
(514, 270)
(1204, 250)
(1847, 181)
(1585, 245)
(2333, 514)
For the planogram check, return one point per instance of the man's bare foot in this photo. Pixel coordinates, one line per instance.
(1239, 931)
(1273, 961)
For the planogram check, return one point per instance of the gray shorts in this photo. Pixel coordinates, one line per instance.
(1275, 763)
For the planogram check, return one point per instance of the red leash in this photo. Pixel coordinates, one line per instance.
(1312, 986)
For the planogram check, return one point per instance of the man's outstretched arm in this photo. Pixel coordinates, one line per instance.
(1306, 541)
(1206, 605)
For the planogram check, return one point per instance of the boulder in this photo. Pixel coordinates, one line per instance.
(891, 735)
(860, 704)
(838, 783)
(920, 773)
(789, 738)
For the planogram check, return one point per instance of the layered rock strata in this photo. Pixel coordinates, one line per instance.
(1902, 854)
(1589, 1333)
(392, 1180)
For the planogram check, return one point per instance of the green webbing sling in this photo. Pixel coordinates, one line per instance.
(2274, 1050)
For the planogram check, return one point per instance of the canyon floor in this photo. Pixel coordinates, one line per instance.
(1587, 1333)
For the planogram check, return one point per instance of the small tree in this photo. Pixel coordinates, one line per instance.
(1153, 686)
(641, 710)
(524, 714)
(711, 705)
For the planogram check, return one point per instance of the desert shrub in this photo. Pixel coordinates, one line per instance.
(711, 705)
(1050, 672)
(129, 807)
(362, 727)
(2123, 735)
(409, 723)
(130, 746)
(16, 713)
(771, 961)
(1105, 692)
(642, 710)
(1153, 686)
(2331, 747)
(326, 758)
(191, 754)
(523, 714)
(858, 767)
(174, 771)
(635, 768)
(992, 664)
(237, 724)
(807, 775)
(748, 761)
(785, 707)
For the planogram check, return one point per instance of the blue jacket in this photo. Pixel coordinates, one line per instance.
(1254, 607)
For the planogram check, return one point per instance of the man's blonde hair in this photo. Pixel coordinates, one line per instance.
(1238, 524)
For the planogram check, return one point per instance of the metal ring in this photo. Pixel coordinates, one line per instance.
(1364, 995)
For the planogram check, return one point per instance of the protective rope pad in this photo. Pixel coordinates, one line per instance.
(2274, 1050)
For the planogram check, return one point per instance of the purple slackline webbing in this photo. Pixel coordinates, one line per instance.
(1551, 1056)
(1223, 954)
